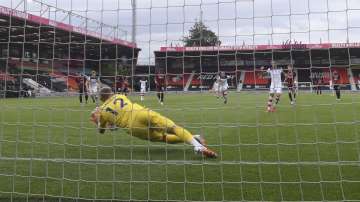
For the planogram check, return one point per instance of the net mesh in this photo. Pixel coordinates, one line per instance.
(49, 150)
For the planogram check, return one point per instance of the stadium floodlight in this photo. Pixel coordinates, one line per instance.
(134, 10)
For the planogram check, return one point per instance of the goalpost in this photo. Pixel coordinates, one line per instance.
(49, 150)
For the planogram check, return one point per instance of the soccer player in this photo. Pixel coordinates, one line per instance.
(290, 80)
(143, 82)
(118, 84)
(223, 86)
(319, 86)
(118, 111)
(216, 85)
(240, 86)
(93, 85)
(160, 86)
(81, 79)
(125, 86)
(275, 86)
(331, 86)
(336, 83)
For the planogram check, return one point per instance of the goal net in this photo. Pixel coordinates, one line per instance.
(55, 55)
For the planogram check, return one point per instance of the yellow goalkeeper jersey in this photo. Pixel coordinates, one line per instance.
(118, 110)
(142, 122)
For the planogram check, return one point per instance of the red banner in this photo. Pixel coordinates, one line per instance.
(260, 47)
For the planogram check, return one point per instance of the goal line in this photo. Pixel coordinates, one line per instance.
(175, 162)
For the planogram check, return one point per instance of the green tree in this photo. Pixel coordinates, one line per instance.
(201, 35)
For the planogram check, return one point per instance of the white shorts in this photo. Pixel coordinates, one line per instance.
(93, 90)
(275, 89)
(223, 88)
(143, 90)
(216, 87)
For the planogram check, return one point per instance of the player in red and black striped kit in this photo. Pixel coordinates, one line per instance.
(125, 86)
(81, 80)
(290, 80)
(319, 84)
(160, 83)
(336, 83)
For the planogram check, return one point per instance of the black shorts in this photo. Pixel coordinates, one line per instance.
(81, 90)
(291, 87)
(160, 88)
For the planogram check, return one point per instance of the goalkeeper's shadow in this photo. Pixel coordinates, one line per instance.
(161, 153)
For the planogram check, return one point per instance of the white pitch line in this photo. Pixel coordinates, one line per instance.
(110, 161)
(200, 161)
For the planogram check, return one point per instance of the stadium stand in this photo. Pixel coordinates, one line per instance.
(65, 50)
(308, 60)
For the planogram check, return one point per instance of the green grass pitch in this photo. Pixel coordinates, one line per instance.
(49, 150)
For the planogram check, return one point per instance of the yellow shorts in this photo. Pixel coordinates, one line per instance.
(149, 125)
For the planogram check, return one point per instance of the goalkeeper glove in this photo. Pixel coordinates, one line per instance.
(95, 115)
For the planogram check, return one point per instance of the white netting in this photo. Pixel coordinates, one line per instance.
(49, 150)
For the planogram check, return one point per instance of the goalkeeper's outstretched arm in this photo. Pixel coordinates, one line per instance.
(96, 119)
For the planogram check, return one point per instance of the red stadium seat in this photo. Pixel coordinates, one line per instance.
(255, 78)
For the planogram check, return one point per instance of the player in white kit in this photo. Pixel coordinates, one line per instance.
(215, 87)
(275, 87)
(142, 88)
(93, 85)
(223, 86)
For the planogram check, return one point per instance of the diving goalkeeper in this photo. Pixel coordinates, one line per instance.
(118, 111)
